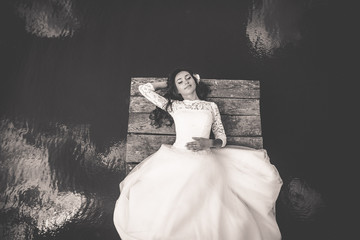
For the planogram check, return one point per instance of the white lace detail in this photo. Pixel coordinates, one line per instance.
(217, 126)
(189, 116)
(191, 105)
(148, 91)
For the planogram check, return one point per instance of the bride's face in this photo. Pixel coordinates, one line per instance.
(185, 83)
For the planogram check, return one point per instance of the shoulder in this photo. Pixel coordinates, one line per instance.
(176, 102)
(213, 104)
(214, 108)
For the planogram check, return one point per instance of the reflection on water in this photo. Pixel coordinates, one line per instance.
(52, 18)
(274, 23)
(53, 180)
(51, 175)
(302, 201)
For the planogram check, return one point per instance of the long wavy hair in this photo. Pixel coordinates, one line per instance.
(160, 117)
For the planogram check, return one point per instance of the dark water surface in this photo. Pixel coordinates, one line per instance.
(66, 69)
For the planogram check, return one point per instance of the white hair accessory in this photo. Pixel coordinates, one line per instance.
(197, 76)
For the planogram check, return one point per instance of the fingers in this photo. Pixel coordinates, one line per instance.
(198, 144)
(195, 146)
(197, 138)
(194, 143)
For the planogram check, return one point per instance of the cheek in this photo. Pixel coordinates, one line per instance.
(193, 83)
(180, 91)
(177, 89)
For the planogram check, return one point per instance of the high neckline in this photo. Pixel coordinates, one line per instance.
(195, 100)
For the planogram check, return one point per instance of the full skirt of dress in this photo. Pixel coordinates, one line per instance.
(216, 194)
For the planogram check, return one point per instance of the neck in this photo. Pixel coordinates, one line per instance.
(193, 96)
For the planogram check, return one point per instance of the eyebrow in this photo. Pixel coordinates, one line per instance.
(184, 76)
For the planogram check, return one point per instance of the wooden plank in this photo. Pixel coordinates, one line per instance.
(140, 123)
(245, 126)
(253, 142)
(229, 106)
(234, 88)
(219, 88)
(140, 146)
(135, 82)
(238, 101)
(234, 125)
(129, 167)
(238, 107)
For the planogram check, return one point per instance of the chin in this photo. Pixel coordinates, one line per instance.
(190, 89)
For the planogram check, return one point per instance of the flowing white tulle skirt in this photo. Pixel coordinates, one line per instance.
(218, 194)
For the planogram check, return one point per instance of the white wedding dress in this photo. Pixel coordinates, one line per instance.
(227, 193)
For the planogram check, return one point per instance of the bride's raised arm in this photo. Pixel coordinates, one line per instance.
(148, 91)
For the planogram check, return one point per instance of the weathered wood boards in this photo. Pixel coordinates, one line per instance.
(140, 146)
(229, 106)
(234, 125)
(219, 88)
(238, 102)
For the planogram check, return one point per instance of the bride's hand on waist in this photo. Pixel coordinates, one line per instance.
(199, 144)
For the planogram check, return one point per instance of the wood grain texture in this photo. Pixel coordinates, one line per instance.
(129, 167)
(219, 87)
(140, 146)
(140, 123)
(253, 142)
(234, 125)
(238, 102)
(242, 126)
(228, 106)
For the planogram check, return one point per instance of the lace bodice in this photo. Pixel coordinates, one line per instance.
(193, 118)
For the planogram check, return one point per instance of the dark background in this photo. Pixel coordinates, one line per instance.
(65, 78)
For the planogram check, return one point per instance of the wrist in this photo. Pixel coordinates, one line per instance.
(216, 143)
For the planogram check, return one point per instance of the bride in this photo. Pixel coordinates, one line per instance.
(198, 188)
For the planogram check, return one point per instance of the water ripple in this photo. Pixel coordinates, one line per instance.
(51, 175)
(302, 201)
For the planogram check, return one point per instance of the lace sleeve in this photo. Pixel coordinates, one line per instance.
(148, 91)
(217, 126)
